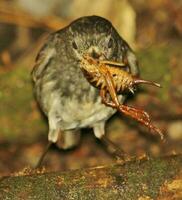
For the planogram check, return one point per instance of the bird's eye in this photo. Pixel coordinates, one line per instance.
(74, 45)
(110, 43)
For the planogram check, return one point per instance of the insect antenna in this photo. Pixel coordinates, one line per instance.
(138, 81)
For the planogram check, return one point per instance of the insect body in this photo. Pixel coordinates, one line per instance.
(122, 80)
(111, 79)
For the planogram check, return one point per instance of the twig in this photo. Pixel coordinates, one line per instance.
(12, 15)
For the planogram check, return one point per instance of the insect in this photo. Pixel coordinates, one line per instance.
(111, 79)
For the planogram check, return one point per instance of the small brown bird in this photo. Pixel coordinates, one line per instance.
(66, 97)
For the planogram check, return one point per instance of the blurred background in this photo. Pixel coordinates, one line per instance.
(152, 28)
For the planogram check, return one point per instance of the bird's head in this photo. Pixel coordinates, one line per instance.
(96, 37)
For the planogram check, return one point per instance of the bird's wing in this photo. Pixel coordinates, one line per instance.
(42, 60)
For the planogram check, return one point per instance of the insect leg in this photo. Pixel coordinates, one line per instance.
(107, 62)
(105, 99)
(110, 85)
(43, 155)
(141, 116)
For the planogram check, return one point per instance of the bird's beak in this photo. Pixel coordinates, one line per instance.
(94, 53)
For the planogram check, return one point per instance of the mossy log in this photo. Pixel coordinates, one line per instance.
(159, 178)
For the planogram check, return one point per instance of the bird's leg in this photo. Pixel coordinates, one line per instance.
(43, 155)
(113, 149)
(53, 134)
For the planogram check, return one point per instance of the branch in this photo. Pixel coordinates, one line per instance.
(11, 15)
(159, 178)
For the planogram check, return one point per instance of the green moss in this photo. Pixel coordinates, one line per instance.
(154, 65)
(16, 97)
(138, 178)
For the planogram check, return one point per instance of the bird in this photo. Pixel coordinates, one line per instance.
(65, 96)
